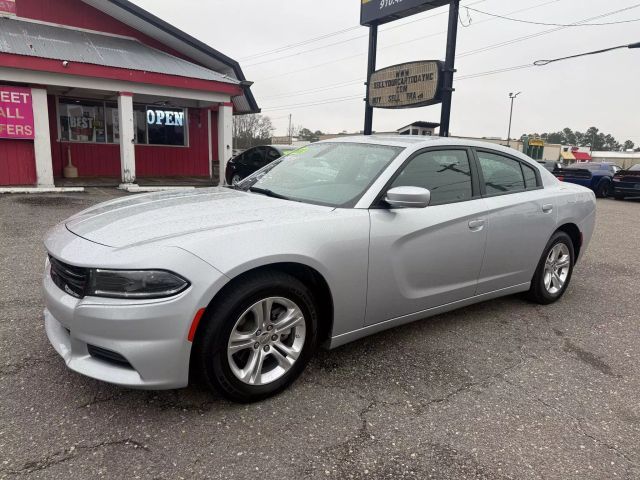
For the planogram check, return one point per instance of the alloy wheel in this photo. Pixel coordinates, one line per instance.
(556, 269)
(266, 341)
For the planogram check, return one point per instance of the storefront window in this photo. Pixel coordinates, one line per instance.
(98, 122)
(82, 121)
(113, 126)
(140, 123)
(165, 126)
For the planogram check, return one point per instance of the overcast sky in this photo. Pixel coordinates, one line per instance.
(599, 91)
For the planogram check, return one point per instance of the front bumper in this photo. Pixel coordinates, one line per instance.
(150, 335)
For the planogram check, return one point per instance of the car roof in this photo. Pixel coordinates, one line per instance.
(415, 142)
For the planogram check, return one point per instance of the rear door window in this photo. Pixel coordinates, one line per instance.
(501, 174)
(530, 178)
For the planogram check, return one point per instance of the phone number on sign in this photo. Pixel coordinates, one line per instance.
(388, 3)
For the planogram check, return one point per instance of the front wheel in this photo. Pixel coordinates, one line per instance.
(236, 179)
(554, 270)
(259, 337)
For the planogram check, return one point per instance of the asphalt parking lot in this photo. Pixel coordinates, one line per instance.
(504, 389)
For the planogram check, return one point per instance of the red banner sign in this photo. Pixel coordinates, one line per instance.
(16, 113)
(8, 6)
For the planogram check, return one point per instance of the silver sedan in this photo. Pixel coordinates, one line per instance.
(337, 241)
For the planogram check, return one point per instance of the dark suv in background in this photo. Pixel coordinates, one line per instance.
(252, 160)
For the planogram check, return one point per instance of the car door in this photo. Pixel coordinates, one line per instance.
(420, 258)
(521, 219)
(253, 160)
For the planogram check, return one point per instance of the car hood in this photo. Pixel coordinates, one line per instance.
(147, 218)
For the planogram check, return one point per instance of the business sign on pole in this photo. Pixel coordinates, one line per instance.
(7, 7)
(377, 12)
(16, 113)
(408, 85)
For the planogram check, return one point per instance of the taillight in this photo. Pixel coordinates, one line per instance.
(560, 178)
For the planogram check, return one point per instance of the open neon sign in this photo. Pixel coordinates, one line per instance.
(165, 117)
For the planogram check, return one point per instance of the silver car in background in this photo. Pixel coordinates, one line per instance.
(337, 241)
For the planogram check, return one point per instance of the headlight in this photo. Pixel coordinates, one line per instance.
(135, 284)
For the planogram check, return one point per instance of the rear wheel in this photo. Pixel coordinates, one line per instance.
(259, 337)
(554, 270)
(603, 189)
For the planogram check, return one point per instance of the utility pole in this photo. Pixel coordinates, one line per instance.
(290, 131)
(512, 96)
(371, 67)
(449, 68)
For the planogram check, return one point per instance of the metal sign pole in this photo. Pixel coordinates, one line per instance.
(373, 47)
(449, 68)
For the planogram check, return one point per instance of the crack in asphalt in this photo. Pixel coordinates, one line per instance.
(347, 449)
(67, 454)
(578, 423)
(9, 369)
(484, 383)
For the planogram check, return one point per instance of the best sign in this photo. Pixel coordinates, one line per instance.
(16, 113)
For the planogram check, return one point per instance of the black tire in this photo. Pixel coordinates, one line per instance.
(602, 191)
(538, 292)
(210, 348)
(618, 196)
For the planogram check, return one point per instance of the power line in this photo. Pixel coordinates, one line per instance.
(338, 32)
(357, 55)
(472, 52)
(359, 81)
(531, 22)
(539, 34)
(316, 90)
(341, 42)
(359, 96)
(541, 63)
(302, 43)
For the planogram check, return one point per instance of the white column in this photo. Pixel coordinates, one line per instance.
(42, 140)
(127, 135)
(210, 139)
(225, 137)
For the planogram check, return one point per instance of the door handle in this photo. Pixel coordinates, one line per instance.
(476, 224)
(547, 208)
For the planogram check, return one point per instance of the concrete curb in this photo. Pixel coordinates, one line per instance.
(134, 188)
(41, 190)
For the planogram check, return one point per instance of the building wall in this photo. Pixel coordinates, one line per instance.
(76, 13)
(17, 162)
(622, 159)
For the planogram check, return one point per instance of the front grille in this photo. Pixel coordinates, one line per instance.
(70, 279)
(108, 356)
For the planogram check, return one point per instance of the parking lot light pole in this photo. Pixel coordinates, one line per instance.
(512, 96)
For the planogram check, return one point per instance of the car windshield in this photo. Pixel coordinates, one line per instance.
(635, 168)
(333, 174)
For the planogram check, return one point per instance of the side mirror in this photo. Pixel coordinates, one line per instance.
(408, 197)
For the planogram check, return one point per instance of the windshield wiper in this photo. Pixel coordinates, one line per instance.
(268, 193)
